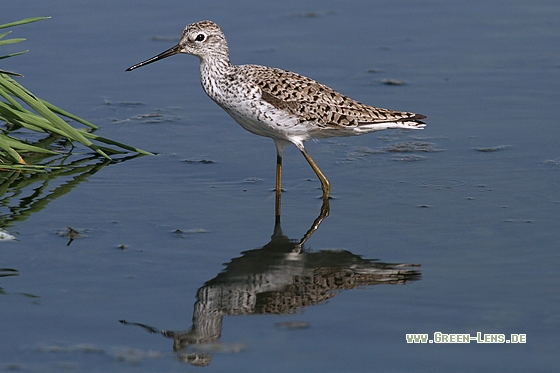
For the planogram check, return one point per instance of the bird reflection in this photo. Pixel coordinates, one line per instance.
(278, 278)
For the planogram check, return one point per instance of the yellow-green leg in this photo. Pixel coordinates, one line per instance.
(324, 182)
(278, 183)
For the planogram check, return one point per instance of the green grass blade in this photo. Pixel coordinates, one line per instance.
(116, 143)
(11, 41)
(13, 54)
(10, 151)
(21, 145)
(10, 73)
(23, 21)
(8, 98)
(73, 134)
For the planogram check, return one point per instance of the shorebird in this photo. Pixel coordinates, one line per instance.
(280, 104)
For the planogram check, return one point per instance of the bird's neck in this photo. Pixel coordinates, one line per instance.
(213, 70)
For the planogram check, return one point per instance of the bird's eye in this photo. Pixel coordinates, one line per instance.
(200, 37)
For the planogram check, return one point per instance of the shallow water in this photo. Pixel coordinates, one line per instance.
(472, 199)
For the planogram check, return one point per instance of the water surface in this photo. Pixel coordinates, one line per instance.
(472, 199)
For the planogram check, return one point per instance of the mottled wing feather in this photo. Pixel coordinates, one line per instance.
(315, 102)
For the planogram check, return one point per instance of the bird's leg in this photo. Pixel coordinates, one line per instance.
(278, 183)
(324, 182)
(280, 145)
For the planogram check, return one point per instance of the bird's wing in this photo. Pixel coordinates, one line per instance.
(315, 102)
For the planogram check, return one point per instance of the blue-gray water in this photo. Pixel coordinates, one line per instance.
(474, 200)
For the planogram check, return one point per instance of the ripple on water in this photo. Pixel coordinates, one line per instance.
(443, 183)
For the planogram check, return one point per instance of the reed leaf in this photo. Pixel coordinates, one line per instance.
(36, 104)
(10, 152)
(13, 54)
(23, 21)
(11, 41)
(18, 144)
(43, 117)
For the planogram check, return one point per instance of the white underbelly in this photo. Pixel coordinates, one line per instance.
(268, 121)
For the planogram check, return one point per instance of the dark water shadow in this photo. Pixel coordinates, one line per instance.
(278, 278)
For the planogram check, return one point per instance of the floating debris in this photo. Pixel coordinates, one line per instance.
(5, 236)
(552, 162)
(410, 158)
(197, 230)
(393, 82)
(518, 221)
(72, 234)
(312, 14)
(123, 103)
(184, 232)
(199, 160)
(493, 149)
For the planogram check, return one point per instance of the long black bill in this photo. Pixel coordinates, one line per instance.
(170, 52)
